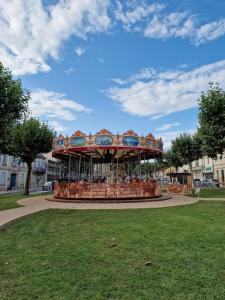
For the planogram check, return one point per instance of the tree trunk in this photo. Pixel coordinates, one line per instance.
(191, 170)
(176, 174)
(27, 184)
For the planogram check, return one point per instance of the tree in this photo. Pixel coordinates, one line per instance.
(173, 159)
(187, 148)
(13, 105)
(30, 138)
(212, 120)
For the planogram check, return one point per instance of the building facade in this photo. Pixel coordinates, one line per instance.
(53, 168)
(13, 172)
(207, 168)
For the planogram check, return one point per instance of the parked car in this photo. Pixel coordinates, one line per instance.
(209, 183)
(48, 186)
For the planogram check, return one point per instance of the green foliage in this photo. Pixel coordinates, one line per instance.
(212, 120)
(186, 148)
(173, 159)
(149, 168)
(28, 140)
(13, 105)
(31, 138)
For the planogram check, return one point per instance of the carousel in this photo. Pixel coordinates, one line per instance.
(106, 166)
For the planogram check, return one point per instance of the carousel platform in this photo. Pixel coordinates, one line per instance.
(125, 191)
(109, 200)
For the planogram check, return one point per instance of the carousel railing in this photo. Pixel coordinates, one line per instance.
(134, 189)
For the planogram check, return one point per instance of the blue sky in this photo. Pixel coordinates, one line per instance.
(93, 64)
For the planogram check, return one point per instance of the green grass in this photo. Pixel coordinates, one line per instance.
(66, 254)
(10, 201)
(211, 193)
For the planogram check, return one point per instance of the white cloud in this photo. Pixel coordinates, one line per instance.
(144, 74)
(167, 126)
(80, 51)
(167, 91)
(154, 21)
(168, 136)
(58, 127)
(210, 31)
(55, 105)
(30, 34)
(183, 25)
(174, 24)
(136, 13)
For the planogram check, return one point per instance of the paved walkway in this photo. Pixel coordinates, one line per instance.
(35, 204)
(211, 199)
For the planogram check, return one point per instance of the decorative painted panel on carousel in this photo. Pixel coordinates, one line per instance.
(78, 141)
(60, 143)
(130, 141)
(103, 140)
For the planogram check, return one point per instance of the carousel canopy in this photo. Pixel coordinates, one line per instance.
(106, 147)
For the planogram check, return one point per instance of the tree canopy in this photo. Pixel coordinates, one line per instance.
(13, 105)
(187, 147)
(28, 139)
(173, 159)
(212, 121)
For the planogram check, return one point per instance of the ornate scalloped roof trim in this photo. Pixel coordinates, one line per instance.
(130, 132)
(78, 133)
(104, 131)
(60, 137)
(150, 136)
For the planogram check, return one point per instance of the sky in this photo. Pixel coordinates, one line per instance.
(93, 64)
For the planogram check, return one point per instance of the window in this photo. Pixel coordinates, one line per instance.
(222, 175)
(4, 159)
(2, 178)
(22, 179)
(197, 163)
(14, 161)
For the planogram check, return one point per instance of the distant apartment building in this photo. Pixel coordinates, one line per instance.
(219, 169)
(13, 172)
(53, 170)
(207, 168)
(203, 168)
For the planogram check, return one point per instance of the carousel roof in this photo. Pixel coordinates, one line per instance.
(105, 146)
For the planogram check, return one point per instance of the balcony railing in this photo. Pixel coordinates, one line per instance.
(38, 170)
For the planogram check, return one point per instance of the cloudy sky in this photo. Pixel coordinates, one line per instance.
(120, 64)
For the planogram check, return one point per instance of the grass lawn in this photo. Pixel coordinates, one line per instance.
(212, 193)
(10, 201)
(67, 254)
